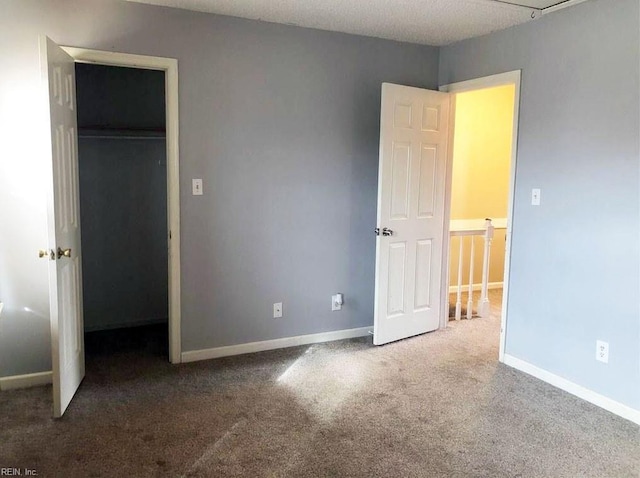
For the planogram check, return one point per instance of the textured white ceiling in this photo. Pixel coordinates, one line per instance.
(429, 22)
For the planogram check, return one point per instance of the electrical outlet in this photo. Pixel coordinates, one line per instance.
(277, 310)
(602, 351)
(336, 302)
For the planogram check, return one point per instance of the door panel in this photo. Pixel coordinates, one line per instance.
(411, 191)
(400, 181)
(65, 281)
(397, 263)
(424, 260)
(427, 182)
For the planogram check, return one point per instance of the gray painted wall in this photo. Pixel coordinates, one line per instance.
(575, 259)
(281, 123)
(123, 196)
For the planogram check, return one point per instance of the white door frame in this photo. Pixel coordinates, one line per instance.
(501, 79)
(170, 68)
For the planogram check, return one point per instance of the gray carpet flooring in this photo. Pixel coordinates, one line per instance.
(438, 405)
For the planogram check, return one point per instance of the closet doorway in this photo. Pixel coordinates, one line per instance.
(122, 159)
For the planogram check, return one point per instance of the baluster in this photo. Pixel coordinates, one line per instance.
(459, 290)
(470, 298)
(484, 305)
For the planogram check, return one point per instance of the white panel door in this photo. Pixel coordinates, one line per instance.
(65, 282)
(411, 192)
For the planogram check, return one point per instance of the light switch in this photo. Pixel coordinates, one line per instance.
(535, 197)
(196, 185)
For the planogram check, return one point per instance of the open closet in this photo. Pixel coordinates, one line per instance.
(123, 210)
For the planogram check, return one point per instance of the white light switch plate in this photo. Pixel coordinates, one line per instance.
(535, 197)
(196, 185)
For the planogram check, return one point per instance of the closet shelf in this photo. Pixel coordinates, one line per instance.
(120, 133)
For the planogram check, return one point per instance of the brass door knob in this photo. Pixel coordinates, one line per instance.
(64, 252)
(45, 253)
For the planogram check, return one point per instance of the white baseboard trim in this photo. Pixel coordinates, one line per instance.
(475, 287)
(579, 391)
(24, 381)
(216, 352)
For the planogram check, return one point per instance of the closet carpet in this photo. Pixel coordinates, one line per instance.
(438, 405)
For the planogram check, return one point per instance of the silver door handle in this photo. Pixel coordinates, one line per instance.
(387, 232)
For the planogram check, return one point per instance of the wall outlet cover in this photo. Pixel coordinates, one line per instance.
(602, 351)
(277, 310)
(336, 302)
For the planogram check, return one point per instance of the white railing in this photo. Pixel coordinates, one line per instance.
(473, 228)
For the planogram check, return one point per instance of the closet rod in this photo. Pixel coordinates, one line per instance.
(98, 136)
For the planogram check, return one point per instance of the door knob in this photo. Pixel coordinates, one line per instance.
(387, 232)
(64, 252)
(45, 253)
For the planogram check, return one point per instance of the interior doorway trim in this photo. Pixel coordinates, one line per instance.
(170, 67)
(501, 79)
